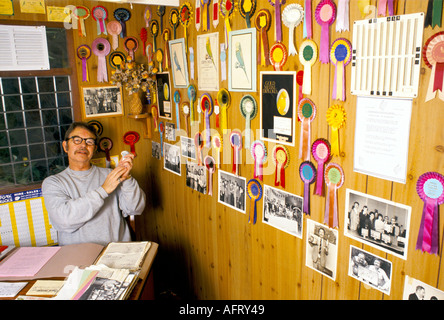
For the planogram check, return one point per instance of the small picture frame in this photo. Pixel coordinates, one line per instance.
(231, 191)
(101, 101)
(242, 66)
(171, 159)
(164, 92)
(179, 67)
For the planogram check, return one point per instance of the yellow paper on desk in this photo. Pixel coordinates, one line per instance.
(45, 288)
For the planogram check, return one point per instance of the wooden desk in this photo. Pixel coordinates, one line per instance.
(143, 289)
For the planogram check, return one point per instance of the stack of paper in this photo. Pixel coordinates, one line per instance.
(124, 255)
(97, 283)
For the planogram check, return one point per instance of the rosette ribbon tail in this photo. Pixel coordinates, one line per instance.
(304, 148)
(339, 82)
(391, 7)
(84, 70)
(428, 231)
(330, 216)
(264, 50)
(102, 74)
(342, 20)
(307, 198)
(207, 129)
(177, 116)
(247, 131)
(291, 48)
(277, 10)
(307, 32)
(210, 184)
(382, 7)
(439, 77)
(320, 179)
(334, 141)
(325, 44)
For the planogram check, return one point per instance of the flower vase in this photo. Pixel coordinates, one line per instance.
(135, 104)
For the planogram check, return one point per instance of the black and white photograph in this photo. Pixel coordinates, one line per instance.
(196, 177)
(380, 223)
(283, 211)
(170, 131)
(232, 192)
(370, 269)
(418, 290)
(103, 101)
(171, 158)
(155, 150)
(187, 147)
(321, 252)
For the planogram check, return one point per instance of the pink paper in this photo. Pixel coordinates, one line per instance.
(27, 261)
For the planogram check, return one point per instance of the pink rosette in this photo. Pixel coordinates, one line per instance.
(325, 15)
(101, 48)
(321, 152)
(430, 188)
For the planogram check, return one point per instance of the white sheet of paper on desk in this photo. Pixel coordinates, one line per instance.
(382, 137)
(11, 289)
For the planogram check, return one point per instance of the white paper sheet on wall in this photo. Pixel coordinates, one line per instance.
(382, 137)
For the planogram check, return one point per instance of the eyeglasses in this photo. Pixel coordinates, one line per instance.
(79, 140)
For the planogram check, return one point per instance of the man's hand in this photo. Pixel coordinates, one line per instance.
(126, 162)
(114, 178)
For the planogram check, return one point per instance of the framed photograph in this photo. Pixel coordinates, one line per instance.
(417, 290)
(207, 46)
(370, 269)
(155, 150)
(321, 252)
(380, 223)
(187, 148)
(283, 211)
(232, 190)
(242, 64)
(278, 106)
(171, 158)
(170, 131)
(163, 88)
(101, 101)
(179, 67)
(196, 177)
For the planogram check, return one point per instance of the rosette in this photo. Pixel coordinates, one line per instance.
(191, 91)
(236, 145)
(224, 101)
(209, 164)
(217, 144)
(248, 109)
(336, 117)
(281, 159)
(101, 48)
(259, 154)
(130, 138)
(340, 56)
(114, 29)
(307, 172)
(84, 53)
(306, 114)
(321, 153)
(105, 145)
(122, 15)
(325, 15)
(433, 55)
(100, 14)
(308, 53)
(247, 9)
(254, 191)
(206, 105)
(278, 55)
(292, 16)
(334, 179)
(263, 23)
(430, 188)
(199, 142)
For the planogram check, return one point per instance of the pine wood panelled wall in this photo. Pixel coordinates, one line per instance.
(209, 251)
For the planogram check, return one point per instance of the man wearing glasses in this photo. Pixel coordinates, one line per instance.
(86, 203)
